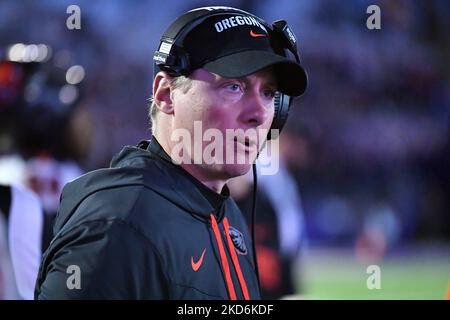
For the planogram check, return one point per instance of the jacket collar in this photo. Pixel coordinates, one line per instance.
(194, 191)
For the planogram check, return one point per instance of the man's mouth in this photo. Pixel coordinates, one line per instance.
(246, 142)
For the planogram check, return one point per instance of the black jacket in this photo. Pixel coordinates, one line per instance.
(146, 229)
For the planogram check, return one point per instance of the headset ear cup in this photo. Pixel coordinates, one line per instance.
(282, 104)
(277, 104)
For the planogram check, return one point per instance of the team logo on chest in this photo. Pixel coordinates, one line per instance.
(238, 240)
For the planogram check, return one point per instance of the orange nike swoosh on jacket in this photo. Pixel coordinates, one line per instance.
(196, 265)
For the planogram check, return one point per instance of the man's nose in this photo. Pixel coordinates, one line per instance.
(256, 109)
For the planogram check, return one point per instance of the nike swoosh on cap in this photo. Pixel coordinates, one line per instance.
(255, 35)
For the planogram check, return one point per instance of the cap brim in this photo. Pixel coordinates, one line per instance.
(291, 77)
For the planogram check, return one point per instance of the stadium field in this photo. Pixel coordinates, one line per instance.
(419, 273)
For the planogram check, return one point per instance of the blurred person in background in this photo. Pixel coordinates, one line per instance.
(280, 229)
(38, 103)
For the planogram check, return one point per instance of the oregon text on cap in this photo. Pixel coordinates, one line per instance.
(237, 21)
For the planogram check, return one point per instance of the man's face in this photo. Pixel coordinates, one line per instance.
(227, 120)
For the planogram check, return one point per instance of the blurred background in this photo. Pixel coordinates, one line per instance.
(365, 153)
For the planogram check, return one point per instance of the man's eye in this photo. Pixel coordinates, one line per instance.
(269, 93)
(234, 87)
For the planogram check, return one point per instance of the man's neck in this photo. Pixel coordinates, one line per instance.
(193, 169)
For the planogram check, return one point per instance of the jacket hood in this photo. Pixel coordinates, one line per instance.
(149, 166)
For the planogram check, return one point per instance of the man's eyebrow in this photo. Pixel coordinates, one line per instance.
(272, 82)
(245, 79)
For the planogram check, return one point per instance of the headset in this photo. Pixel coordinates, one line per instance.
(171, 57)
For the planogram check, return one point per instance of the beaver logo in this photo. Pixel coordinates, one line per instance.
(238, 241)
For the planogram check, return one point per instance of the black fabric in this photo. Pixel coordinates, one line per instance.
(5, 200)
(47, 234)
(135, 229)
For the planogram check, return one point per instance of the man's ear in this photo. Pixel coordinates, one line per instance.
(161, 92)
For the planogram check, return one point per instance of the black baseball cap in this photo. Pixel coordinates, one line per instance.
(235, 45)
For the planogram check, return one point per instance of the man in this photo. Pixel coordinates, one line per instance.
(159, 224)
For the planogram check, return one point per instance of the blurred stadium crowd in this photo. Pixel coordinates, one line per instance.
(368, 144)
